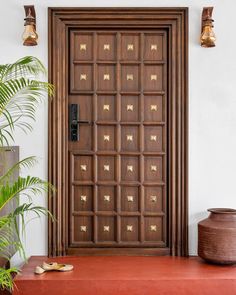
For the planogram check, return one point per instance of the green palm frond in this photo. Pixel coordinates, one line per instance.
(29, 208)
(20, 95)
(10, 236)
(28, 186)
(29, 66)
(9, 243)
(25, 163)
(18, 104)
(6, 281)
(21, 91)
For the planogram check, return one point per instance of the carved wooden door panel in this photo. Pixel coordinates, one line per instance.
(117, 188)
(118, 140)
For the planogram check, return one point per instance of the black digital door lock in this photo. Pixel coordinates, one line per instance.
(74, 122)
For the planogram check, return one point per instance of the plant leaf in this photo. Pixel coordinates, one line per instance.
(20, 94)
(28, 186)
(6, 281)
(25, 163)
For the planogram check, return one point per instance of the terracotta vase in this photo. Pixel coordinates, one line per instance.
(217, 236)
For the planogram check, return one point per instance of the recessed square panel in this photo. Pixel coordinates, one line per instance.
(153, 108)
(153, 199)
(83, 198)
(106, 138)
(130, 168)
(153, 169)
(85, 106)
(106, 198)
(106, 105)
(153, 78)
(153, 47)
(84, 138)
(83, 229)
(153, 229)
(130, 110)
(130, 78)
(130, 47)
(106, 47)
(153, 138)
(106, 77)
(83, 77)
(83, 167)
(130, 198)
(130, 138)
(83, 47)
(106, 168)
(130, 231)
(106, 228)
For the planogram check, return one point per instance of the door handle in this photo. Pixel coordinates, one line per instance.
(77, 122)
(74, 122)
(83, 122)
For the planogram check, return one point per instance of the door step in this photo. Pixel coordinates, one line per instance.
(122, 275)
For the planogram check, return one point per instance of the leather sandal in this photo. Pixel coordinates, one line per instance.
(54, 266)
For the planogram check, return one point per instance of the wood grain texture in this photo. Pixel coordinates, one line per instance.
(174, 21)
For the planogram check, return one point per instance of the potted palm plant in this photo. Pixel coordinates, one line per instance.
(21, 91)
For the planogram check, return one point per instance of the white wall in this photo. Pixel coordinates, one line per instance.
(212, 108)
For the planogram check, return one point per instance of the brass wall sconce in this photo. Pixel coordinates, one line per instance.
(30, 37)
(208, 37)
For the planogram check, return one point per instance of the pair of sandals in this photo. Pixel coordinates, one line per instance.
(54, 266)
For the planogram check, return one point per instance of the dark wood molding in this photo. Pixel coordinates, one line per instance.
(175, 21)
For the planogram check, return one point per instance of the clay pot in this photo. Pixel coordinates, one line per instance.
(217, 236)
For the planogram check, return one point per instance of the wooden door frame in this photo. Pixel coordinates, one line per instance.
(175, 21)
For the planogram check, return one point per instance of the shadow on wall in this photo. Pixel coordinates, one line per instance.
(193, 233)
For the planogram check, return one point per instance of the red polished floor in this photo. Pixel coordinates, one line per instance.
(128, 276)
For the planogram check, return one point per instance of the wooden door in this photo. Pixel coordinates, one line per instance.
(117, 188)
(117, 139)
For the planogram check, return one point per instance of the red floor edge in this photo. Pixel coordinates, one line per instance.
(122, 275)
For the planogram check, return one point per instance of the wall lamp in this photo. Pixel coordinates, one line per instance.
(30, 37)
(208, 37)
